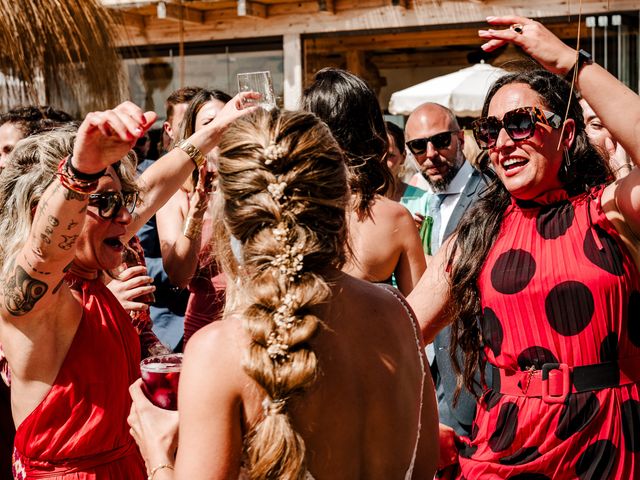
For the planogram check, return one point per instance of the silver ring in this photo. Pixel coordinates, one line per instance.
(517, 27)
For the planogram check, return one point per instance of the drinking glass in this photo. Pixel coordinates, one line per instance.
(261, 83)
(160, 377)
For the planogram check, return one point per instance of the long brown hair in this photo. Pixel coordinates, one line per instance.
(478, 229)
(284, 187)
(351, 110)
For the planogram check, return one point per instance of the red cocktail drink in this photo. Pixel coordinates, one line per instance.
(160, 376)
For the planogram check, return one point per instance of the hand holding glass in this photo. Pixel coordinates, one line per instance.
(261, 83)
(160, 377)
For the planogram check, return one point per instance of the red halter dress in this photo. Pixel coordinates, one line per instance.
(559, 287)
(79, 431)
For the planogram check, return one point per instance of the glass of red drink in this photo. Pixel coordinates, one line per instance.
(160, 377)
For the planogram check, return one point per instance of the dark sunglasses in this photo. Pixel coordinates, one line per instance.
(520, 124)
(440, 141)
(110, 203)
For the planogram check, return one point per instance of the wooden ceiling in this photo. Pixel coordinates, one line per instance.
(149, 22)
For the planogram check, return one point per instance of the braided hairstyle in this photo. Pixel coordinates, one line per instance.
(284, 190)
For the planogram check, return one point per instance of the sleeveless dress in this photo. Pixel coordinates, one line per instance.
(79, 431)
(423, 369)
(558, 286)
(207, 290)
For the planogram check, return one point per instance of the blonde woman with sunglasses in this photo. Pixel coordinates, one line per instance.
(68, 210)
(544, 274)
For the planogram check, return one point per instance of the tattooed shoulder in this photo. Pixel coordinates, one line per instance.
(21, 292)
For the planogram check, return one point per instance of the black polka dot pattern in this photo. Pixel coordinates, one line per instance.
(491, 399)
(631, 425)
(633, 316)
(609, 257)
(579, 410)
(554, 220)
(597, 461)
(609, 348)
(535, 356)
(513, 271)
(466, 451)
(492, 331)
(521, 457)
(474, 431)
(506, 427)
(530, 476)
(569, 307)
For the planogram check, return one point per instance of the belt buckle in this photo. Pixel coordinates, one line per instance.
(566, 382)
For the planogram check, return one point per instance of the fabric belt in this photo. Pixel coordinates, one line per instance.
(36, 468)
(554, 381)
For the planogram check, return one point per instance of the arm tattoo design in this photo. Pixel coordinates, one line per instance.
(71, 195)
(72, 224)
(40, 272)
(22, 292)
(68, 241)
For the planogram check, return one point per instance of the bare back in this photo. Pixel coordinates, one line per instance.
(359, 420)
(386, 242)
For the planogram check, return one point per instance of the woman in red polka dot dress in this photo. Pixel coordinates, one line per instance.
(543, 276)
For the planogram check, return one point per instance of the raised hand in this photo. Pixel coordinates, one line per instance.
(208, 136)
(105, 137)
(534, 38)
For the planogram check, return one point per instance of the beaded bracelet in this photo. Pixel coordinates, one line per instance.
(156, 469)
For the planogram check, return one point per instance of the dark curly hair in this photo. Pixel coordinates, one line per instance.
(478, 229)
(34, 119)
(351, 110)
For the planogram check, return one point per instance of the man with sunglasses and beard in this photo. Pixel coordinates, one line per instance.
(436, 141)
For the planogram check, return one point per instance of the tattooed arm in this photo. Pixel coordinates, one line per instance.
(40, 265)
(102, 139)
(39, 313)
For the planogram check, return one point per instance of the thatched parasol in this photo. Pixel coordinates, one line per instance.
(59, 49)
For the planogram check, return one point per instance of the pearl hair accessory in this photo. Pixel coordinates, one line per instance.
(290, 262)
(273, 152)
(277, 191)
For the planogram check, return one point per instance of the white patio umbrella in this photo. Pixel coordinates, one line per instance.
(462, 92)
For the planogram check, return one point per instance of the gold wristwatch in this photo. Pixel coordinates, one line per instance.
(194, 152)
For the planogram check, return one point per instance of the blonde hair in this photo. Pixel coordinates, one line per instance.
(283, 181)
(30, 170)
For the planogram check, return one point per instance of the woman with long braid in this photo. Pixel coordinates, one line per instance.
(295, 380)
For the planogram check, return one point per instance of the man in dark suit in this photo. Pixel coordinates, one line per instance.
(436, 141)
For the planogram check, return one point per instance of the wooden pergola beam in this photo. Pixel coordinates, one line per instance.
(326, 6)
(172, 11)
(401, 3)
(130, 20)
(247, 8)
(426, 39)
